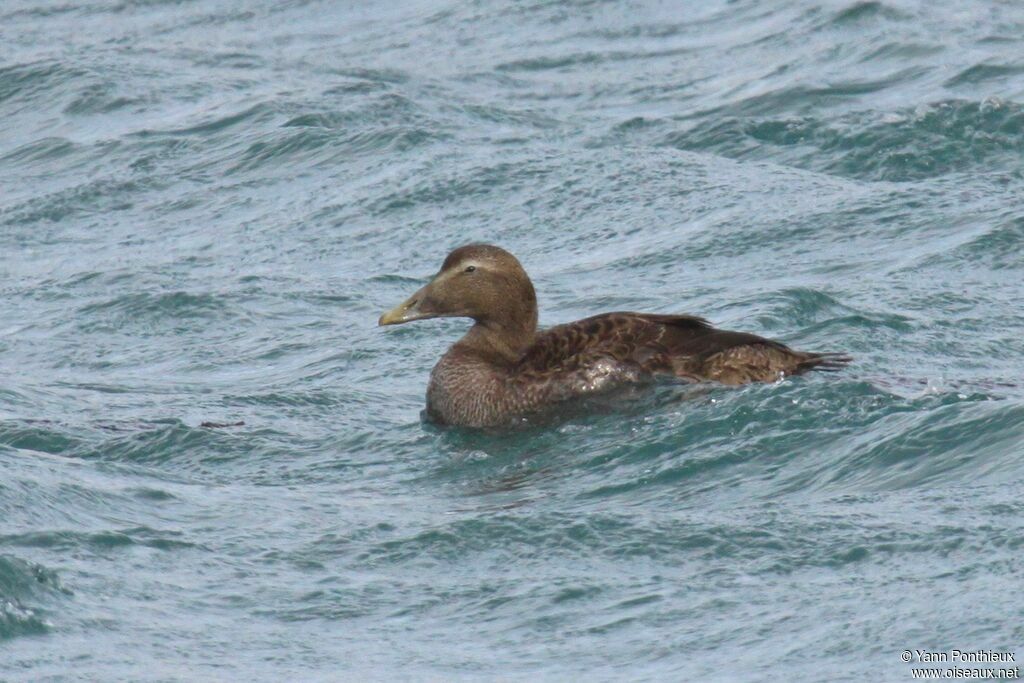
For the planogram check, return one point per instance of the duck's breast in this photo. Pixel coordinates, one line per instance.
(463, 391)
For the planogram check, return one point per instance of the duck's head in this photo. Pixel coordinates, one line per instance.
(478, 281)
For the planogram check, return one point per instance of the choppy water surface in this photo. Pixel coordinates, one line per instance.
(204, 206)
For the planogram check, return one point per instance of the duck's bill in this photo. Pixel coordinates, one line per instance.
(407, 311)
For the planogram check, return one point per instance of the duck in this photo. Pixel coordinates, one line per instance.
(505, 369)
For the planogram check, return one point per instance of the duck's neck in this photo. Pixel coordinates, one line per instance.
(506, 337)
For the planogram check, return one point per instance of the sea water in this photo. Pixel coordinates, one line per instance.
(205, 206)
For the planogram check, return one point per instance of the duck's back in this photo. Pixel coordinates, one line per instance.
(684, 346)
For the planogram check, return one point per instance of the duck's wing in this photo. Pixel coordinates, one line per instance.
(684, 346)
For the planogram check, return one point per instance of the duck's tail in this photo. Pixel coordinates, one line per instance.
(822, 362)
(763, 361)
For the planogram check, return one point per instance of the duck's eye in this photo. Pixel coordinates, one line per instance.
(469, 269)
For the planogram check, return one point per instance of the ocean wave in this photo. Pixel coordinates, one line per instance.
(91, 198)
(26, 591)
(43, 149)
(20, 84)
(953, 136)
(98, 541)
(176, 304)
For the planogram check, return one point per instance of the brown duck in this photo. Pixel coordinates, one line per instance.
(504, 368)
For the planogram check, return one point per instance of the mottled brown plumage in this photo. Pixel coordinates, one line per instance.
(504, 368)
